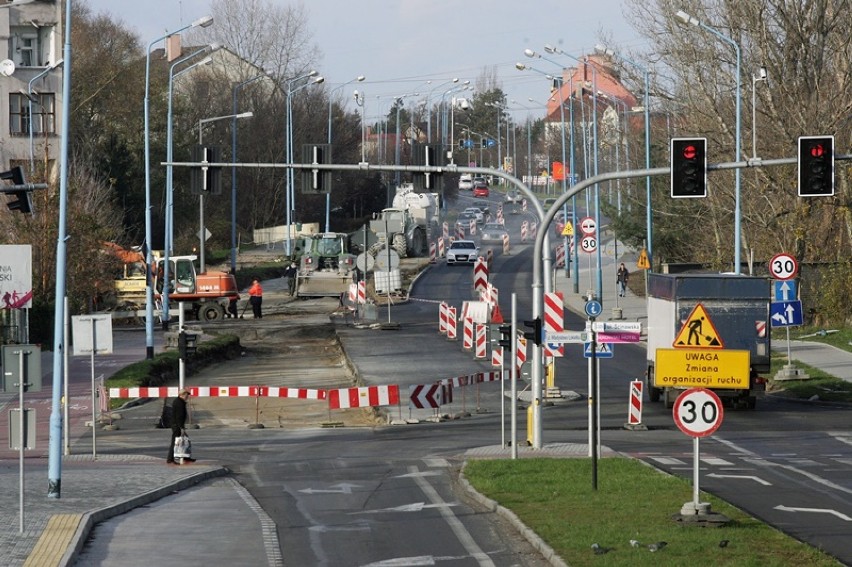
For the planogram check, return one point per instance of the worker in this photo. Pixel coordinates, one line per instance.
(256, 298)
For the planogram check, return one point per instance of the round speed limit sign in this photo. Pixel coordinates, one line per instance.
(783, 266)
(589, 243)
(698, 412)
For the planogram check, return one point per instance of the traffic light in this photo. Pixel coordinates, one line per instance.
(23, 197)
(816, 166)
(316, 181)
(427, 155)
(689, 167)
(186, 344)
(505, 336)
(206, 179)
(535, 335)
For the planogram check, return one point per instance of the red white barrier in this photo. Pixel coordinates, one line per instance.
(451, 323)
(533, 229)
(481, 341)
(524, 228)
(472, 227)
(505, 244)
(480, 275)
(220, 392)
(441, 251)
(433, 252)
(368, 396)
(467, 333)
(634, 411)
(362, 292)
(560, 256)
(554, 320)
(459, 231)
(445, 230)
(443, 314)
(497, 356)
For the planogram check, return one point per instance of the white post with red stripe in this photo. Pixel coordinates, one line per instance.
(467, 333)
(441, 251)
(443, 313)
(554, 320)
(505, 244)
(497, 357)
(524, 229)
(634, 409)
(481, 341)
(451, 323)
(433, 253)
(362, 292)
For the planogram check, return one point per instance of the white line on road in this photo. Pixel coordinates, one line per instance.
(754, 478)
(815, 510)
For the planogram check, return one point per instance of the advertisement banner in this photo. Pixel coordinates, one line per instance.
(16, 276)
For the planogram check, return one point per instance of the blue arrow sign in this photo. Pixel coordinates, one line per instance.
(604, 350)
(785, 313)
(786, 290)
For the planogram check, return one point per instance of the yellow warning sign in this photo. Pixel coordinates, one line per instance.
(643, 263)
(568, 229)
(698, 331)
(701, 368)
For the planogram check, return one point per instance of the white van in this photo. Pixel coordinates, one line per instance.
(466, 182)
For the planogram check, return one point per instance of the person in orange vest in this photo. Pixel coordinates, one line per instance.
(256, 298)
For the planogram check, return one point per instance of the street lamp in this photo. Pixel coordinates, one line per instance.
(761, 76)
(429, 107)
(168, 239)
(646, 103)
(687, 19)
(360, 98)
(149, 289)
(359, 79)
(236, 88)
(291, 196)
(30, 97)
(201, 229)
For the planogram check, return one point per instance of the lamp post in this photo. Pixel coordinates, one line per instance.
(761, 76)
(359, 78)
(585, 62)
(149, 289)
(201, 230)
(291, 197)
(360, 99)
(236, 88)
(168, 238)
(429, 107)
(687, 19)
(30, 97)
(397, 147)
(646, 103)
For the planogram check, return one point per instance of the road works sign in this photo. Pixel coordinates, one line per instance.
(698, 331)
(702, 368)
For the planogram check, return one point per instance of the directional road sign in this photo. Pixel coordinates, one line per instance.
(785, 313)
(604, 350)
(618, 337)
(786, 290)
(624, 326)
(698, 412)
(425, 396)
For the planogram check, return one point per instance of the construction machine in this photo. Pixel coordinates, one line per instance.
(325, 266)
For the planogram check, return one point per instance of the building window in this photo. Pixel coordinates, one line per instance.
(29, 46)
(43, 120)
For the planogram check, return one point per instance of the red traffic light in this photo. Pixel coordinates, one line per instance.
(690, 152)
(817, 150)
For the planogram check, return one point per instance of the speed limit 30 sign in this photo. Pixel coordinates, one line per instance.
(698, 412)
(783, 266)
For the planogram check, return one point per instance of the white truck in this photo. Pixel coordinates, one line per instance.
(413, 221)
(735, 311)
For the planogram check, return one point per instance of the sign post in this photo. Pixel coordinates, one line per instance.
(698, 413)
(97, 339)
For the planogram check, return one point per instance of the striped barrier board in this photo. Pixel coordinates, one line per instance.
(634, 411)
(481, 350)
(364, 397)
(452, 327)
(220, 392)
(497, 357)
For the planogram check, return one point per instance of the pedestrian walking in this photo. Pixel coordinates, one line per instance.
(178, 424)
(621, 276)
(256, 298)
(290, 273)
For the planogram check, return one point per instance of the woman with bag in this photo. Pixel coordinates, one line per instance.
(178, 425)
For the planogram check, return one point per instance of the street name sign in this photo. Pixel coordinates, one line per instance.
(624, 326)
(567, 337)
(617, 337)
(701, 368)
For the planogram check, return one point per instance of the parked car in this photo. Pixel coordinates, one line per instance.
(493, 232)
(513, 196)
(462, 252)
(478, 214)
(465, 182)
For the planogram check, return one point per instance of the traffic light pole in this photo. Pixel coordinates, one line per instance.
(541, 252)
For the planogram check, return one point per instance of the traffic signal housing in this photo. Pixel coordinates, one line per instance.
(316, 181)
(206, 179)
(23, 200)
(689, 167)
(535, 335)
(427, 155)
(816, 166)
(505, 336)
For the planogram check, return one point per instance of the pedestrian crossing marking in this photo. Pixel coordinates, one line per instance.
(698, 331)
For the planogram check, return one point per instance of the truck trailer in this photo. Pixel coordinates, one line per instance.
(709, 314)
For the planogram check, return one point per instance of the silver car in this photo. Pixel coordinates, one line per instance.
(462, 252)
(493, 232)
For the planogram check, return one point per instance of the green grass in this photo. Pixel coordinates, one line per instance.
(554, 497)
(819, 383)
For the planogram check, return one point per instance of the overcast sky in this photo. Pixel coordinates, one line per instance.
(400, 44)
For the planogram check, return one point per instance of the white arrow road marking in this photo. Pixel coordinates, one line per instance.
(414, 507)
(754, 478)
(413, 561)
(816, 510)
(342, 488)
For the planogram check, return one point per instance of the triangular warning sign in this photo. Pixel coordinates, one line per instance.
(496, 316)
(643, 263)
(568, 229)
(698, 331)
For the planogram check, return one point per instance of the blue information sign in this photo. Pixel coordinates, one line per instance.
(785, 313)
(604, 350)
(593, 308)
(786, 290)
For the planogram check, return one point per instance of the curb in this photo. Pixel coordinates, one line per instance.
(90, 519)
